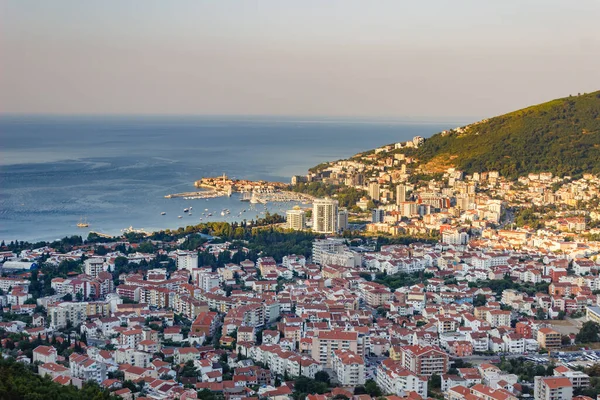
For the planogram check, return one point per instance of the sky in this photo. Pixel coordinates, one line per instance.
(384, 58)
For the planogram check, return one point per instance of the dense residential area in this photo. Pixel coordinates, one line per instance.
(457, 287)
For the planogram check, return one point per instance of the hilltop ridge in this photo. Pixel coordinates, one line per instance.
(560, 136)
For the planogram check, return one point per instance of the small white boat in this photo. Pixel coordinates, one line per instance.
(179, 216)
(186, 209)
(163, 213)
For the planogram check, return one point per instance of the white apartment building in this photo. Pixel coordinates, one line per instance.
(281, 361)
(293, 260)
(87, 369)
(131, 338)
(93, 266)
(322, 246)
(295, 219)
(400, 194)
(498, 317)
(374, 191)
(577, 378)
(454, 237)
(134, 357)
(326, 342)
(325, 215)
(393, 378)
(342, 220)
(62, 313)
(207, 280)
(553, 388)
(44, 354)
(349, 368)
(187, 260)
(7, 283)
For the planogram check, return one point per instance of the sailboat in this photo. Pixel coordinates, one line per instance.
(82, 223)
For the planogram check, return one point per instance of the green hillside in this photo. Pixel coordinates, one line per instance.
(561, 136)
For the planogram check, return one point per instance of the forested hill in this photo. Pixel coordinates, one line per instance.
(561, 136)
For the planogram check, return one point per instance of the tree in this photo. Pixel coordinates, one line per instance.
(146, 247)
(189, 370)
(588, 333)
(309, 386)
(372, 389)
(206, 394)
(435, 381)
(322, 376)
(359, 390)
(121, 262)
(480, 300)
(101, 250)
(540, 314)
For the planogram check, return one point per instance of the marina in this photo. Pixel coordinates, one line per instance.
(255, 192)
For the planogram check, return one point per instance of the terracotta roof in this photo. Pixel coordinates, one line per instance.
(556, 383)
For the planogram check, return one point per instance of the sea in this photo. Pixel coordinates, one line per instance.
(114, 171)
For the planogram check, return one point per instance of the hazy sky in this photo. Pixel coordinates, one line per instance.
(439, 58)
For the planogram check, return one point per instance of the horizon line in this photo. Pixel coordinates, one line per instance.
(306, 118)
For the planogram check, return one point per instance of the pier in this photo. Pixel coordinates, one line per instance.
(197, 195)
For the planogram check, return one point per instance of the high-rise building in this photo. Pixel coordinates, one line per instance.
(377, 215)
(187, 260)
(342, 220)
(93, 266)
(400, 194)
(295, 219)
(374, 191)
(325, 215)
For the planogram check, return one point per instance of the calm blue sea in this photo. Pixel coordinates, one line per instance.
(115, 171)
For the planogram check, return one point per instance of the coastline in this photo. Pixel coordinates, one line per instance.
(173, 207)
(115, 180)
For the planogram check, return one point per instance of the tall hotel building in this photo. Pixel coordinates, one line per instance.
(400, 194)
(325, 215)
(295, 219)
(374, 191)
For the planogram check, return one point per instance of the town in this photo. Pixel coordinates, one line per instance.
(421, 284)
